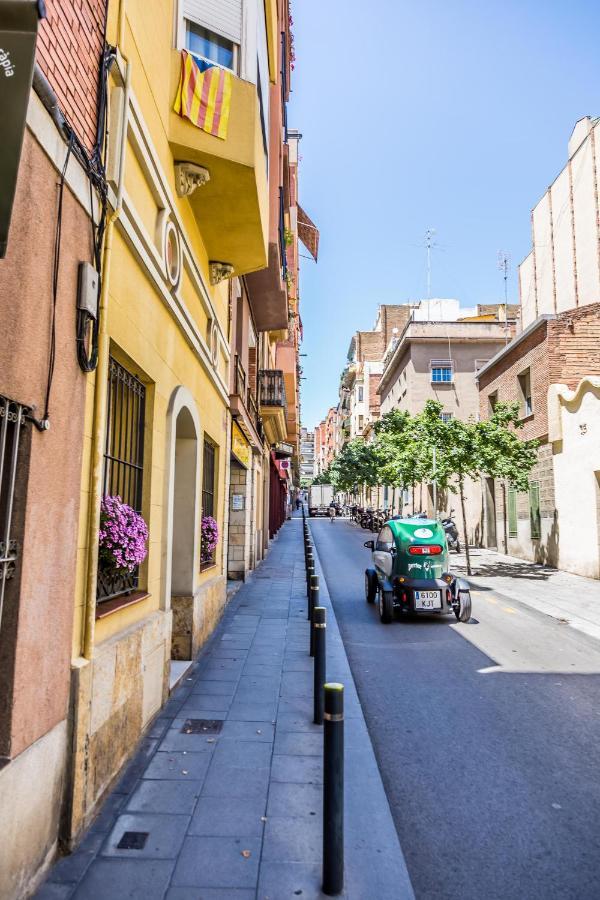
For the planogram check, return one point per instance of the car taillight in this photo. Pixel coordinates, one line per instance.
(425, 550)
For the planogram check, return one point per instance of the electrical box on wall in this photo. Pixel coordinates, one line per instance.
(87, 290)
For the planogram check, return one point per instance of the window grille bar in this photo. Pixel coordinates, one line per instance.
(123, 459)
(13, 413)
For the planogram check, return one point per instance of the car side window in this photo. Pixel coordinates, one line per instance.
(385, 539)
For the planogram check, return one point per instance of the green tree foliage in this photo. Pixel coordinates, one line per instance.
(357, 463)
(423, 448)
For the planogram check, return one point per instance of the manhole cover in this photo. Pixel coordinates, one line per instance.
(133, 840)
(201, 726)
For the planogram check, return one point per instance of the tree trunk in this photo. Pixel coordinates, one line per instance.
(464, 518)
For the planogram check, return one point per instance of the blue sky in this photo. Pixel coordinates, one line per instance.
(453, 115)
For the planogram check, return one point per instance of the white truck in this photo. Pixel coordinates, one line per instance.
(320, 498)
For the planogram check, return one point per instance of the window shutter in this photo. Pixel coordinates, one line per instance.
(222, 16)
(512, 513)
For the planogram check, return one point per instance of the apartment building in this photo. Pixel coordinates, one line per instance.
(439, 360)
(48, 182)
(552, 369)
(307, 455)
(359, 400)
(171, 395)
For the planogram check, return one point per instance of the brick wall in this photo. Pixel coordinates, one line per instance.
(374, 398)
(532, 354)
(69, 49)
(393, 317)
(574, 345)
(562, 350)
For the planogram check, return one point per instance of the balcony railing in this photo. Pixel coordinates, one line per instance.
(272, 388)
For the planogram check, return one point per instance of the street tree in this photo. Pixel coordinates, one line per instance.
(357, 463)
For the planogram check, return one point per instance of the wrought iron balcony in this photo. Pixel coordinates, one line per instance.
(272, 388)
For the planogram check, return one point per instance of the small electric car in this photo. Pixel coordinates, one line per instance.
(410, 572)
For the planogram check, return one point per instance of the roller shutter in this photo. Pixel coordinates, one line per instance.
(222, 16)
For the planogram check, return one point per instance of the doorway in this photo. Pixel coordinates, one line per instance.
(184, 552)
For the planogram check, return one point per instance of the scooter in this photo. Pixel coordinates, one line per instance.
(449, 526)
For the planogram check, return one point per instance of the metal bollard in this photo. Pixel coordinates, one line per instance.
(310, 561)
(309, 573)
(313, 600)
(333, 789)
(319, 629)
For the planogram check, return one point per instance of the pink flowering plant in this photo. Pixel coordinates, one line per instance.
(122, 538)
(209, 539)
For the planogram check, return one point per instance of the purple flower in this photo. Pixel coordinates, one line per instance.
(122, 537)
(209, 538)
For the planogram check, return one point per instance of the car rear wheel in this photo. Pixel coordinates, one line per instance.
(463, 613)
(370, 585)
(386, 606)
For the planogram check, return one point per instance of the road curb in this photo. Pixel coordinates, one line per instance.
(375, 866)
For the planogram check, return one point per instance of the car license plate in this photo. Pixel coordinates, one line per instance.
(428, 599)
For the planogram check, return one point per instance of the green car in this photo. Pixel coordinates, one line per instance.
(410, 572)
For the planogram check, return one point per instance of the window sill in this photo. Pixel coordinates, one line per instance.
(204, 567)
(111, 606)
(527, 418)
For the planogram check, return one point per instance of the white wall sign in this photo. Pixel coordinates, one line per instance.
(237, 502)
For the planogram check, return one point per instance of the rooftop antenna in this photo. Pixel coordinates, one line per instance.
(504, 266)
(429, 244)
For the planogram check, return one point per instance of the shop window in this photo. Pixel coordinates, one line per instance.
(123, 460)
(535, 518)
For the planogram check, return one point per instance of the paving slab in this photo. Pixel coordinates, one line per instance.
(223, 799)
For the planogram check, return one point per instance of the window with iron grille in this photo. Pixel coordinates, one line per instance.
(123, 460)
(208, 478)
(12, 420)
(209, 455)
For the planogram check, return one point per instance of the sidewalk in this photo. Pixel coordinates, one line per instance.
(223, 799)
(570, 598)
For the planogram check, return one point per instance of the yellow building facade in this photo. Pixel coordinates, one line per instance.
(186, 209)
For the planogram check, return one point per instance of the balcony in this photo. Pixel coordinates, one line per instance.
(232, 208)
(243, 406)
(272, 404)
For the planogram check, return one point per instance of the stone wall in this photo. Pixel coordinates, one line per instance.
(115, 696)
(238, 557)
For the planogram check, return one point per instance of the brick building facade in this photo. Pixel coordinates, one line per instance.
(554, 350)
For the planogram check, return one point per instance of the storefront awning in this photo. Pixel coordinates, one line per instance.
(18, 34)
(308, 233)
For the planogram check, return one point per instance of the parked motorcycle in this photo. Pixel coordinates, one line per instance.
(449, 526)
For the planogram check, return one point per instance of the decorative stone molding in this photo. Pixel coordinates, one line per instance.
(560, 395)
(188, 177)
(219, 271)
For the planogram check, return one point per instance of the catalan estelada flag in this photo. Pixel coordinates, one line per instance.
(204, 97)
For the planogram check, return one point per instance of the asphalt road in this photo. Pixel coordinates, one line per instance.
(487, 737)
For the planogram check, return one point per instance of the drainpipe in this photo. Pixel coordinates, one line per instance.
(101, 384)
